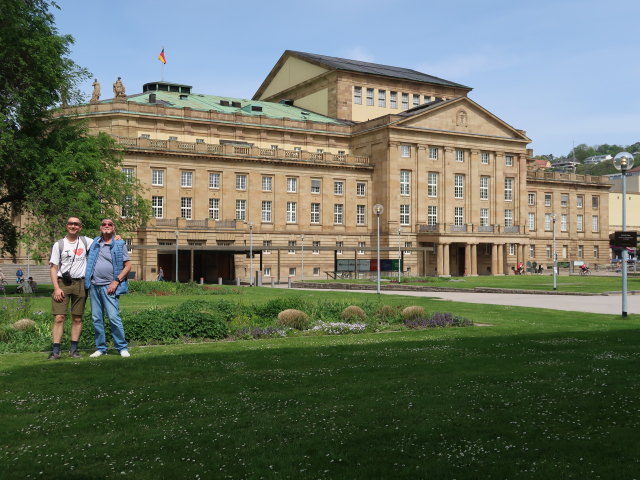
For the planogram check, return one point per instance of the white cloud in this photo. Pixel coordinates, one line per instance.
(358, 53)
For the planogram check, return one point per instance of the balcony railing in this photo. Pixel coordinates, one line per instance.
(441, 228)
(207, 223)
(232, 150)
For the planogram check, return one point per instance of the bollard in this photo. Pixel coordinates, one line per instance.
(259, 278)
(219, 280)
(237, 282)
(288, 282)
(273, 282)
(201, 280)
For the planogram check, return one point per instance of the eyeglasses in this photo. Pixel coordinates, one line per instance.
(106, 224)
(75, 224)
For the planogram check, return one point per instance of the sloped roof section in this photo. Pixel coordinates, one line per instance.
(374, 69)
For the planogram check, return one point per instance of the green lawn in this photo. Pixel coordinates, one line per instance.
(565, 283)
(537, 394)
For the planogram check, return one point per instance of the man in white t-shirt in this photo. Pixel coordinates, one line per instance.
(68, 264)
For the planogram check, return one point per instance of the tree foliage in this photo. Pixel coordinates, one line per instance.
(49, 167)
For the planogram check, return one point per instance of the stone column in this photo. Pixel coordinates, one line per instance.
(445, 260)
(439, 258)
(501, 259)
(494, 259)
(474, 259)
(467, 259)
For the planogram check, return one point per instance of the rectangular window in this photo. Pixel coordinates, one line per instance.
(458, 186)
(532, 251)
(338, 212)
(580, 223)
(291, 243)
(369, 97)
(547, 222)
(484, 158)
(459, 155)
(484, 188)
(315, 213)
(596, 251)
(549, 251)
(532, 221)
(360, 215)
(531, 199)
(564, 200)
(361, 245)
(292, 185)
(405, 180)
(241, 209)
(316, 247)
(319, 150)
(433, 153)
(564, 224)
(128, 174)
(338, 187)
(565, 249)
(595, 224)
(266, 211)
(267, 270)
(157, 178)
(407, 245)
(512, 249)
(580, 251)
(404, 215)
(292, 212)
(186, 179)
(267, 184)
(595, 202)
(405, 151)
(484, 217)
(382, 98)
(315, 186)
(339, 245)
(357, 95)
(157, 204)
(405, 101)
(214, 180)
(361, 189)
(266, 243)
(393, 99)
(508, 217)
(316, 271)
(508, 160)
(127, 201)
(214, 208)
(241, 182)
(548, 199)
(432, 215)
(432, 184)
(427, 98)
(579, 201)
(416, 99)
(274, 147)
(458, 216)
(508, 189)
(185, 207)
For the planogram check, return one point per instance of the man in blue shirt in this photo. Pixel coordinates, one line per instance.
(106, 278)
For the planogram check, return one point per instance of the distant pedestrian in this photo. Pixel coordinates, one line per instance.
(19, 275)
(160, 275)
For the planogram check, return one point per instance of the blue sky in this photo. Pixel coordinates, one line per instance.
(564, 70)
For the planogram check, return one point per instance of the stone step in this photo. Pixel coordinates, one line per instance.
(40, 273)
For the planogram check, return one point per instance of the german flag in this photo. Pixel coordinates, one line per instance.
(161, 57)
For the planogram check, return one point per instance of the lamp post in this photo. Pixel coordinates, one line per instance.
(302, 272)
(378, 209)
(399, 257)
(555, 255)
(623, 162)
(177, 235)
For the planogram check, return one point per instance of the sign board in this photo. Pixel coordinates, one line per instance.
(349, 265)
(625, 239)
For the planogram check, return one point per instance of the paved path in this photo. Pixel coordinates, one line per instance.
(610, 304)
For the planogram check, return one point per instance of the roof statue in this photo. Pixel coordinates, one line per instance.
(95, 96)
(118, 90)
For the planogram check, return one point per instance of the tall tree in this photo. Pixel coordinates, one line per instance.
(49, 167)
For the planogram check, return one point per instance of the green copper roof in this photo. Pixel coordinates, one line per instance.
(230, 105)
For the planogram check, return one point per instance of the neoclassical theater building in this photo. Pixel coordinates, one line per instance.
(294, 173)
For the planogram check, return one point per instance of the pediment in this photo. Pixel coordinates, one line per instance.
(461, 115)
(288, 72)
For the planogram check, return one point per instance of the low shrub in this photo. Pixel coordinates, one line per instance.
(412, 312)
(260, 332)
(353, 313)
(387, 313)
(339, 328)
(293, 318)
(273, 307)
(24, 324)
(438, 319)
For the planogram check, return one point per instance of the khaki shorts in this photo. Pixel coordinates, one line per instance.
(74, 293)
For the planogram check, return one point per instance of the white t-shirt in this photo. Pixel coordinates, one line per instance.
(74, 257)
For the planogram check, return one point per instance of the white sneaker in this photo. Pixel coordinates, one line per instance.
(125, 353)
(97, 353)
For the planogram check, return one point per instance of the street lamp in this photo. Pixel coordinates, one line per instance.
(399, 256)
(555, 255)
(378, 209)
(302, 272)
(623, 162)
(177, 235)
(250, 253)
